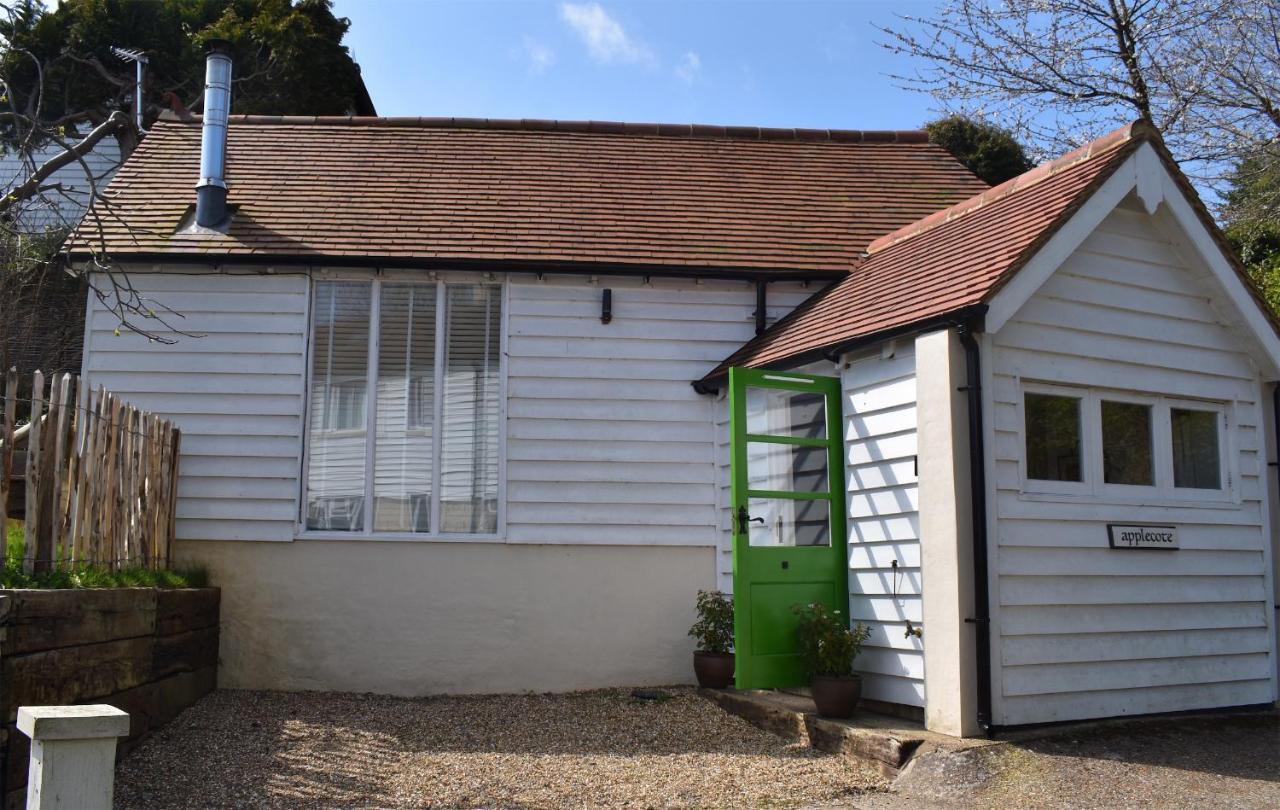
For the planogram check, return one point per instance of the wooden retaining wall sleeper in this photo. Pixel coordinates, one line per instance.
(150, 652)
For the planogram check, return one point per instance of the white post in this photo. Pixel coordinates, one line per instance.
(73, 755)
(946, 536)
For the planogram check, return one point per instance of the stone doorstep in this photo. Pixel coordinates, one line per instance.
(888, 743)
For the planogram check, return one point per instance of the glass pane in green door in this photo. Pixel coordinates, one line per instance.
(786, 467)
(784, 522)
(779, 412)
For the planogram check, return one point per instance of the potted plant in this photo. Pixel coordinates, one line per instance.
(828, 647)
(713, 661)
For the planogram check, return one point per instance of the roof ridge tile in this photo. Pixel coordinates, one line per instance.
(1092, 149)
(739, 132)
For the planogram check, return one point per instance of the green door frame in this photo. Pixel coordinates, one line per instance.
(768, 580)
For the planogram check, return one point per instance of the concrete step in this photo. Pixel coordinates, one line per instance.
(888, 743)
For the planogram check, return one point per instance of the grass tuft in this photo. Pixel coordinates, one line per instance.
(89, 576)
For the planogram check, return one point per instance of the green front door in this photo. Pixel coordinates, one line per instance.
(788, 516)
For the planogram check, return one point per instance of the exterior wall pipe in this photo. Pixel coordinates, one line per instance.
(211, 191)
(1275, 418)
(981, 619)
(762, 303)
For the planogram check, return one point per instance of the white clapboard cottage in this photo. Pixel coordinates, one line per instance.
(476, 405)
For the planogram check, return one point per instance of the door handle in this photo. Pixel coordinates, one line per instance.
(745, 520)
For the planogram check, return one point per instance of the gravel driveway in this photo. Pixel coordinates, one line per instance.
(590, 749)
(1219, 761)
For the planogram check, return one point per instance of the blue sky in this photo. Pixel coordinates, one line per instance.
(803, 64)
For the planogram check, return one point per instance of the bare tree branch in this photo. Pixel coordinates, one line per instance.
(31, 185)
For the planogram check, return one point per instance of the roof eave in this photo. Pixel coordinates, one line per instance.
(970, 315)
(533, 266)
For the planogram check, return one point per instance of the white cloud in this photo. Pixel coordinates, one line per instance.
(604, 36)
(688, 67)
(537, 56)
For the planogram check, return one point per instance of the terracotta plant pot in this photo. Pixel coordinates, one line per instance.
(714, 669)
(836, 695)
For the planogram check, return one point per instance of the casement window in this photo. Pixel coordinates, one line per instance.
(1079, 441)
(424, 459)
(1055, 451)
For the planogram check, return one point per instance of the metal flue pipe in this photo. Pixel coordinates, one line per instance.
(211, 191)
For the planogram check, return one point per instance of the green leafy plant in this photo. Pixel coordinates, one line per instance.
(714, 628)
(827, 644)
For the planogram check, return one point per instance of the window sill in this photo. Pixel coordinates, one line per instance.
(1121, 500)
(407, 537)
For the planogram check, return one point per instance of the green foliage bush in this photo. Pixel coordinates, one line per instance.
(89, 576)
(714, 628)
(827, 644)
(985, 149)
(1251, 219)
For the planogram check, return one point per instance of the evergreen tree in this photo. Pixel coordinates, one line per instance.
(987, 150)
(60, 72)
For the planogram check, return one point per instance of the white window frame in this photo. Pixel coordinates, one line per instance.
(376, 278)
(1037, 485)
(1093, 487)
(1161, 452)
(1226, 473)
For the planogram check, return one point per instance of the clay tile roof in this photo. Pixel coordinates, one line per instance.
(448, 190)
(946, 263)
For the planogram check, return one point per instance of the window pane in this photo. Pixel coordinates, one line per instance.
(1195, 449)
(786, 467)
(1126, 444)
(336, 440)
(777, 412)
(784, 522)
(1053, 437)
(469, 451)
(406, 408)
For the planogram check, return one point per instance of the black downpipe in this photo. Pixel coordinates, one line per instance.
(761, 306)
(981, 620)
(1275, 421)
(1275, 418)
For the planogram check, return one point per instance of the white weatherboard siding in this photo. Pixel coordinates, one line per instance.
(880, 446)
(1081, 630)
(53, 209)
(235, 391)
(607, 442)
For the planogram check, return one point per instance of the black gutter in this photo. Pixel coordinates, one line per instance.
(981, 619)
(971, 314)
(577, 268)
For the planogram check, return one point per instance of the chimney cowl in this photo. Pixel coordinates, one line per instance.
(211, 191)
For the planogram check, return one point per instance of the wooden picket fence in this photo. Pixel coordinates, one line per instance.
(101, 477)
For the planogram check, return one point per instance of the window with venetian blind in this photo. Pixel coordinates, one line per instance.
(423, 459)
